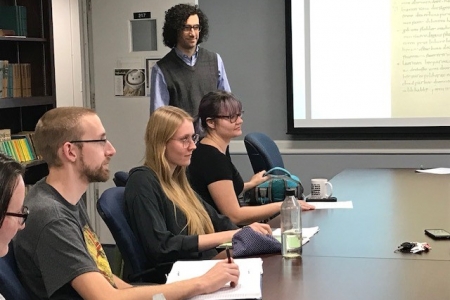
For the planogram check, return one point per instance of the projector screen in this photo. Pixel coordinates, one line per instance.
(368, 69)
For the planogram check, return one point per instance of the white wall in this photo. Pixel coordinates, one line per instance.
(124, 118)
(67, 47)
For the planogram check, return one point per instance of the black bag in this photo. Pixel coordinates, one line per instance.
(273, 189)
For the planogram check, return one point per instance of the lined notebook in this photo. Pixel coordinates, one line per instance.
(248, 287)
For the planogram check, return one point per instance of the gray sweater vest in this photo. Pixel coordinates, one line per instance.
(187, 85)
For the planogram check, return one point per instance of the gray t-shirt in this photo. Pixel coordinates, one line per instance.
(56, 245)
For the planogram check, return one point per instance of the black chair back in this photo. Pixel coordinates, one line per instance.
(111, 207)
(120, 178)
(10, 285)
(262, 152)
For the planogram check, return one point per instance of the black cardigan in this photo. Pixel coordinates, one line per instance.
(159, 226)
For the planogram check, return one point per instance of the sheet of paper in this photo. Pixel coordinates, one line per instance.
(307, 233)
(249, 286)
(440, 171)
(332, 205)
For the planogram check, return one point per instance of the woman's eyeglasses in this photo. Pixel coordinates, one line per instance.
(231, 118)
(188, 139)
(23, 215)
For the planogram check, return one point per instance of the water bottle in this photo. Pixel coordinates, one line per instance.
(291, 226)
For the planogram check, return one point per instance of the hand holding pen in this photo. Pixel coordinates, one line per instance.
(232, 284)
(224, 271)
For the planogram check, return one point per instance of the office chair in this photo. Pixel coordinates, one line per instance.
(262, 152)
(120, 178)
(10, 285)
(111, 207)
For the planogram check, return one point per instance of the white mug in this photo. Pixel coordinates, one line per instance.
(319, 188)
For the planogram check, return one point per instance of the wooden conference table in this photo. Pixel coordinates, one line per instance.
(352, 256)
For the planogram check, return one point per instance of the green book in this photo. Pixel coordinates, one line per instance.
(23, 20)
(10, 18)
(2, 148)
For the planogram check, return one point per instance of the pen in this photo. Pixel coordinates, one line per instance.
(232, 284)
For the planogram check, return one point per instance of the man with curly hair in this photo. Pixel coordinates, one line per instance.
(188, 71)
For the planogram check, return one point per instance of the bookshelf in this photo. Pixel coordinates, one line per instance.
(21, 113)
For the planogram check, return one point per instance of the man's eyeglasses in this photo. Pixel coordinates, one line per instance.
(231, 118)
(188, 139)
(23, 215)
(103, 141)
(188, 28)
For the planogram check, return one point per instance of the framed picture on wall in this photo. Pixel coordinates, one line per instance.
(149, 63)
(129, 82)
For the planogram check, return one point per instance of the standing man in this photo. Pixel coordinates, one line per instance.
(58, 254)
(187, 72)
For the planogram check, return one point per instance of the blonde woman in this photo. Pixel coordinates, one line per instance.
(169, 219)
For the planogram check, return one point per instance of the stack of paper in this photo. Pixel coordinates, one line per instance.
(248, 287)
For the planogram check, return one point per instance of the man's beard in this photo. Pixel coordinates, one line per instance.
(99, 174)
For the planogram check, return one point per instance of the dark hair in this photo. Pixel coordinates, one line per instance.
(217, 103)
(10, 170)
(176, 18)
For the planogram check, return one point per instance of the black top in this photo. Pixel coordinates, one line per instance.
(159, 226)
(209, 165)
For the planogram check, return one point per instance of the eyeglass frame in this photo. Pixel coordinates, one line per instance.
(24, 215)
(230, 117)
(89, 141)
(188, 28)
(186, 141)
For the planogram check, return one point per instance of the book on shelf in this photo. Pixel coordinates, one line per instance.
(14, 18)
(7, 32)
(18, 146)
(16, 79)
(27, 78)
(4, 69)
(17, 83)
(29, 135)
(5, 134)
(1, 78)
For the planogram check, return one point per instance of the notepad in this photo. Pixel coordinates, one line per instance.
(248, 287)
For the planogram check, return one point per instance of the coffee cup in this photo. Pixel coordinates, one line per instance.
(321, 188)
